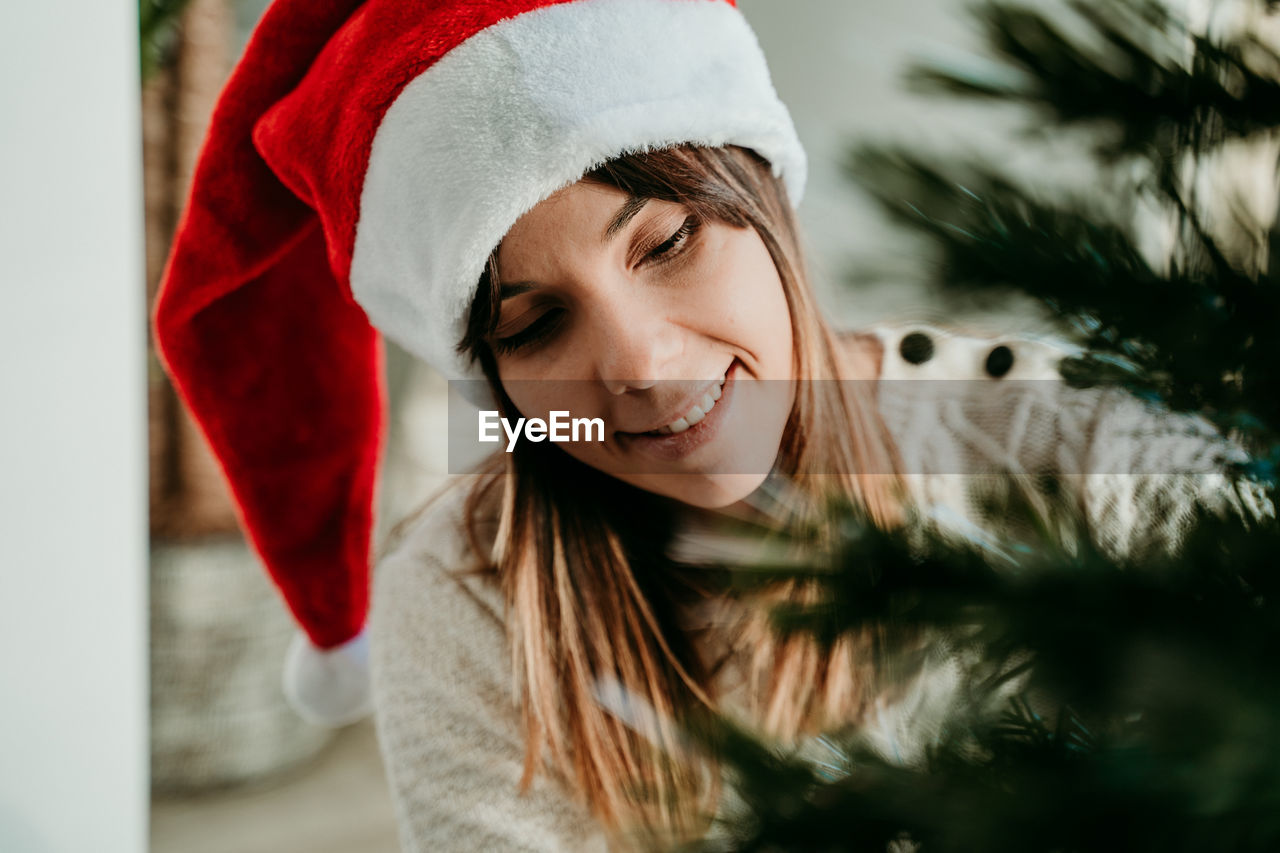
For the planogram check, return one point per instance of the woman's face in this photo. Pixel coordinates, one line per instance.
(674, 331)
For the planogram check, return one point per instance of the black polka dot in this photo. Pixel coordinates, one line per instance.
(916, 348)
(999, 361)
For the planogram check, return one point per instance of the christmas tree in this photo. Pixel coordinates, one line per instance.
(1114, 702)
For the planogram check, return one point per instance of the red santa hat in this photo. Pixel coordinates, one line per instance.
(363, 161)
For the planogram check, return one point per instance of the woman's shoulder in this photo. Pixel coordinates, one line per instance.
(996, 403)
(427, 569)
(977, 417)
(918, 350)
(436, 529)
(1133, 471)
(445, 700)
(997, 399)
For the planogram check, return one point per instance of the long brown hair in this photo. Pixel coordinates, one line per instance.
(591, 595)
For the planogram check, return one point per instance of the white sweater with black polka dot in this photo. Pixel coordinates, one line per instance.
(993, 417)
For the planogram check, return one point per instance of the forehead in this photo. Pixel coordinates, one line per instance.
(580, 210)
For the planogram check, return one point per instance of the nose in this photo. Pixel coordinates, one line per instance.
(636, 345)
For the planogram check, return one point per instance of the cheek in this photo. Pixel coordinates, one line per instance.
(748, 301)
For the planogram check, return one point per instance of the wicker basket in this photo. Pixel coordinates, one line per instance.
(218, 637)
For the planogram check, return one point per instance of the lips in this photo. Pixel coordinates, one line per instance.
(690, 411)
(667, 447)
(695, 414)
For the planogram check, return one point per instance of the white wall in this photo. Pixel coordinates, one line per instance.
(73, 687)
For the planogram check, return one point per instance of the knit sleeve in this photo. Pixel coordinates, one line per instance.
(448, 724)
(1099, 463)
(1145, 469)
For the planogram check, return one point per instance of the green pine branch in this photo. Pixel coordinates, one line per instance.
(1158, 85)
(1143, 720)
(992, 236)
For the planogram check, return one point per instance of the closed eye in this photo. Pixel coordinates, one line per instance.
(676, 243)
(537, 332)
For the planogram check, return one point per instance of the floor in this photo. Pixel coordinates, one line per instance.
(338, 803)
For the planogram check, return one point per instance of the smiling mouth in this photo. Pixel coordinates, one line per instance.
(695, 413)
(699, 424)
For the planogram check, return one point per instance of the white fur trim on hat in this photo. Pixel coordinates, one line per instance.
(525, 108)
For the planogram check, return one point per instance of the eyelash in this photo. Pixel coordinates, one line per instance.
(534, 333)
(545, 326)
(676, 242)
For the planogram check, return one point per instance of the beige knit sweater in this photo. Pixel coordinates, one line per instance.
(446, 711)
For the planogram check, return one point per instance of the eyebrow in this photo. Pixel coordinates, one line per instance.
(630, 208)
(507, 291)
(625, 214)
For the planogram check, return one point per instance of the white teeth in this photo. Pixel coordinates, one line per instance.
(699, 411)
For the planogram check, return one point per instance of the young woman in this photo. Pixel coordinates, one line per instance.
(588, 206)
